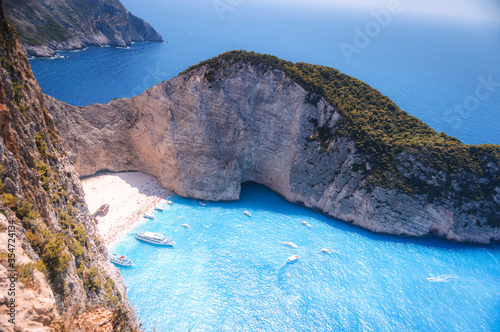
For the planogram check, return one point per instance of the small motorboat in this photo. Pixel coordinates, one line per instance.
(293, 245)
(305, 223)
(169, 202)
(154, 238)
(247, 213)
(185, 225)
(201, 203)
(158, 209)
(120, 260)
(148, 216)
(292, 258)
(325, 250)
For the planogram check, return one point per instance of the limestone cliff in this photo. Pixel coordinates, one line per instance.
(49, 240)
(45, 26)
(235, 119)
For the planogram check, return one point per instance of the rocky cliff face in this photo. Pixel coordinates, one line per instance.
(205, 132)
(47, 26)
(61, 265)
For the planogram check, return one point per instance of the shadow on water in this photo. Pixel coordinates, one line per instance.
(284, 271)
(300, 212)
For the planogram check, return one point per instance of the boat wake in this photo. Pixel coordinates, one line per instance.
(443, 278)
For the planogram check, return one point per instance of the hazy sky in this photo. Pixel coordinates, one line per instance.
(470, 9)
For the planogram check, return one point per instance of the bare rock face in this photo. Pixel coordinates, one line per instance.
(203, 137)
(35, 304)
(46, 26)
(43, 213)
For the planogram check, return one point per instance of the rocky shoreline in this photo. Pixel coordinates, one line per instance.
(46, 27)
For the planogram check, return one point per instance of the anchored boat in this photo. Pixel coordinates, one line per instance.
(120, 260)
(292, 258)
(154, 238)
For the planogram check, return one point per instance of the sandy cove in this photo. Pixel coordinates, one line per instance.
(130, 196)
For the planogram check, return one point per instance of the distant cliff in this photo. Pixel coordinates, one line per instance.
(45, 26)
(64, 278)
(312, 134)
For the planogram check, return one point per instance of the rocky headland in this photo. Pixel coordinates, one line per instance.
(46, 26)
(310, 133)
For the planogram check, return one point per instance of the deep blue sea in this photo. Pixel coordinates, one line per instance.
(229, 272)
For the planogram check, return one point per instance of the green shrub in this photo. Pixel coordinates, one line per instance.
(4, 259)
(25, 211)
(26, 275)
(53, 254)
(91, 279)
(76, 249)
(80, 233)
(50, 247)
(80, 269)
(10, 200)
(41, 145)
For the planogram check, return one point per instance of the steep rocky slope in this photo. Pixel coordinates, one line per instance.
(46, 26)
(49, 240)
(245, 117)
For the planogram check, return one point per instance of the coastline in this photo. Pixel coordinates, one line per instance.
(53, 53)
(130, 196)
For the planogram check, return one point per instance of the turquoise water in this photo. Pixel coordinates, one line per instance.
(228, 272)
(430, 67)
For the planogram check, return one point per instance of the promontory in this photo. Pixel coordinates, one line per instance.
(316, 136)
(46, 26)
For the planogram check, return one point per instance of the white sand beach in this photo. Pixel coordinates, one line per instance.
(130, 196)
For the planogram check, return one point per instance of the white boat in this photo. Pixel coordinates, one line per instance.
(305, 223)
(292, 258)
(169, 202)
(158, 209)
(154, 238)
(247, 213)
(293, 245)
(120, 260)
(325, 250)
(148, 216)
(185, 225)
(201, 203)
